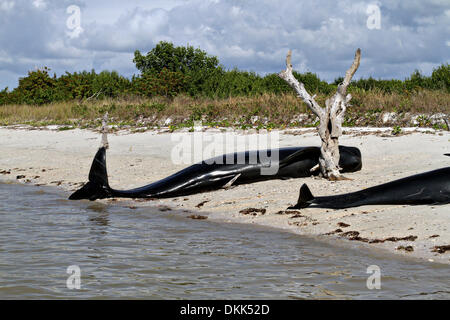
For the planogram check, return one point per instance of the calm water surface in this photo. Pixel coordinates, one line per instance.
(144, 253)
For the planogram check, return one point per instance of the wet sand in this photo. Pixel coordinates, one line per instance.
(63, 159)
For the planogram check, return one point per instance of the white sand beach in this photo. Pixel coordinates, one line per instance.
(63, 158)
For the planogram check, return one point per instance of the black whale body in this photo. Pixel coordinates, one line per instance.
(432, 187)
(294, 162)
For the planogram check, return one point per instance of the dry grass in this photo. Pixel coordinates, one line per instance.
(267, 110)
(424, 101)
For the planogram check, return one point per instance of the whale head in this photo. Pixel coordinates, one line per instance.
(350, 159)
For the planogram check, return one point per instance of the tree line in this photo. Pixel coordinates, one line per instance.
(168, 70)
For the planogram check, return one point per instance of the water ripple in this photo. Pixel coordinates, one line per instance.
(150, 254)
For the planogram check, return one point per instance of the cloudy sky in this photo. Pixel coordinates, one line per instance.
(249, 34)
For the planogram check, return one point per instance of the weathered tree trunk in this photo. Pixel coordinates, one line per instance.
(104, 131)
(331, 117)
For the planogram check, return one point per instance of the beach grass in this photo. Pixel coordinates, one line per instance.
(263, 111)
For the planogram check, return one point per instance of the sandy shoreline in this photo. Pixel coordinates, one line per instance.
(63, 158)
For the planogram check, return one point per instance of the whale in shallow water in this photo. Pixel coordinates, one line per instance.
(215, 173)
(431, 187)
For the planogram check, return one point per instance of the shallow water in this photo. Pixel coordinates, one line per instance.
(145, 253)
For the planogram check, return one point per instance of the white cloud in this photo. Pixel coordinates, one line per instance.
(6, 5)
(251, 34)
(39, 4)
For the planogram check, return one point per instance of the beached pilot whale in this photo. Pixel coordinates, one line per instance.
(215, 173)
(431, 187)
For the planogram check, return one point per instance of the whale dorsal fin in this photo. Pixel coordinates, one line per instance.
(304, 198)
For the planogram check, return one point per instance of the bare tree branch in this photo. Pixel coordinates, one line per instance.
(331, 117)
(350, 72)
(299, 87)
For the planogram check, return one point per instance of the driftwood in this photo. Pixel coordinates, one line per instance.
(104, 131)
(331, 117)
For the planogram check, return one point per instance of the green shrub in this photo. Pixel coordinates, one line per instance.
(36, 88)
(177, 64)
(166, 83)
(4, 96)
(440, 78)
(110, 84)
(77, 85)
(84, 85)
(176, 59)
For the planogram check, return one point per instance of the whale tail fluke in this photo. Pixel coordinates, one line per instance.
(304, 198)
(98, 186)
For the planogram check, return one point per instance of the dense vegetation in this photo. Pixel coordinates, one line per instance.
(168, 71)
(187, 84)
